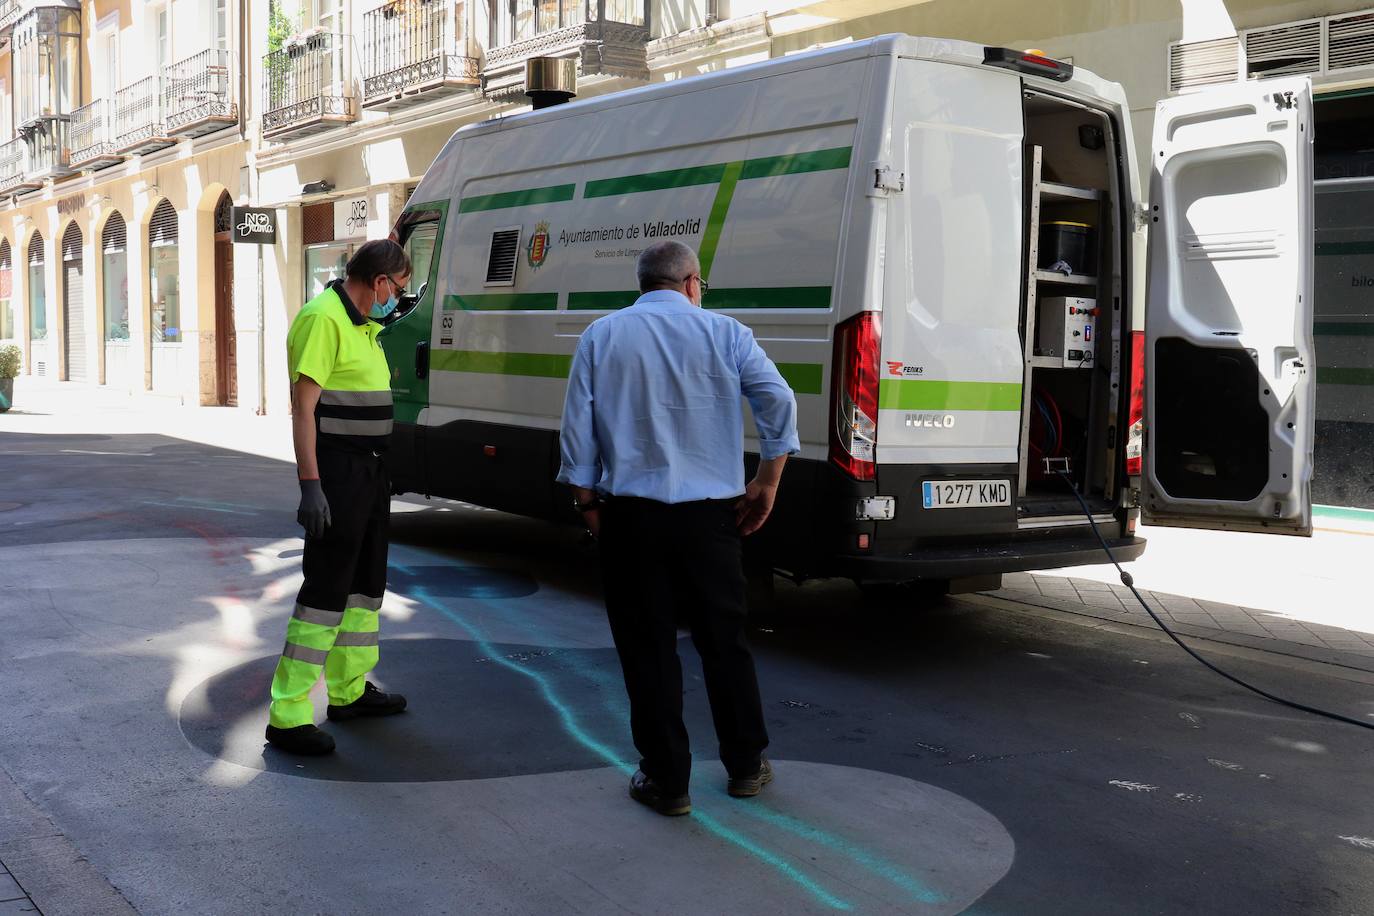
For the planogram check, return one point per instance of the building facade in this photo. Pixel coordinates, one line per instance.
(132, 126)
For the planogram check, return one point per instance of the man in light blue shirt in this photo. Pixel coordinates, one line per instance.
(652, 444)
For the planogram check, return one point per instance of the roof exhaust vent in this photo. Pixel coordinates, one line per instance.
(550, 80)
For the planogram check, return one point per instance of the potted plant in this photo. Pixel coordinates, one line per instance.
(10, 358)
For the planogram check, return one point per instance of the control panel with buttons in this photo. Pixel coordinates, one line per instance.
(1065, 329)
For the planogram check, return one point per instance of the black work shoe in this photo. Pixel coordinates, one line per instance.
(306, 740)
(372, 703)
(645, 791)
(749, 786)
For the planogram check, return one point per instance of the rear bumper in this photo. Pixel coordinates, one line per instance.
(964, 560)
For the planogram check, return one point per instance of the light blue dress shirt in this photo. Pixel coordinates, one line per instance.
(654, 403)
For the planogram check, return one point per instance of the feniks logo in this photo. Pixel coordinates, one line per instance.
(901, 369)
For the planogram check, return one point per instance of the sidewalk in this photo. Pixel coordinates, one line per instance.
(1302, 597)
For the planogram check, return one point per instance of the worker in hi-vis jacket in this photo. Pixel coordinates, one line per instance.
(342, 415)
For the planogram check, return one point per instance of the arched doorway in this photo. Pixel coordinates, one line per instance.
(73, 307)
(226, 346)
(164, 285)
(114, 299)
(38, 307)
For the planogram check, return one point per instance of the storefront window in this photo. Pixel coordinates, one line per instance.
(324, 263)
(164, 275)
(7, 329)
(115, 278)
(38, 290)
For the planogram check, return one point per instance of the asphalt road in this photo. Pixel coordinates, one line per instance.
(942, 758)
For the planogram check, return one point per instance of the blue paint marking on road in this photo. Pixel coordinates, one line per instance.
(154, 502)
(574, 729)
(885, 869)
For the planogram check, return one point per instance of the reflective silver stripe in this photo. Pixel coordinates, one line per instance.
(315, 615)
(364, 602)
(337, 426)
(356, 639)
(356, 398)
(304, 654)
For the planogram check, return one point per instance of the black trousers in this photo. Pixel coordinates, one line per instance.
(661, 562)
(350, 560)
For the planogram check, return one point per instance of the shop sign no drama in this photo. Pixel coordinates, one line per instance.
(254, 226)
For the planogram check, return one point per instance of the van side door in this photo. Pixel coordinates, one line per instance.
(1229, 364)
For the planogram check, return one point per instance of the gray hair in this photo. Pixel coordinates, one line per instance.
(664, 264)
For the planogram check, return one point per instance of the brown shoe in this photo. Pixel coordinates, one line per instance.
(749, 786)
(647, 792)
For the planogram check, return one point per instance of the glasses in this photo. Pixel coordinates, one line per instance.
(400, 290)
(705, 287)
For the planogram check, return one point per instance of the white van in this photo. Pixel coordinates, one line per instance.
(943, 249)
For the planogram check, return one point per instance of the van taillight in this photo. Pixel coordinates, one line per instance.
(854, 404)
(1135, 432)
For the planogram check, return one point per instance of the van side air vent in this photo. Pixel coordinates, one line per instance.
(1203, 63)
(1284, 50)
(1350, 41)
(505, 251)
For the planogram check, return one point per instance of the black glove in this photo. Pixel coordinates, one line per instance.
(313, 514)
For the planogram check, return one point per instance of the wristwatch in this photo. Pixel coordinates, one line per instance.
(596, 502)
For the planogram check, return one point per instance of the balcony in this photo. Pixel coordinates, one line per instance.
(14, 160)
(415, 52)
(92, 133)
(139, 118)
(611, 38)
(49, 148)
(308, 86)
(198, 97)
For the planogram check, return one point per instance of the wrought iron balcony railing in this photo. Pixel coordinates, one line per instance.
(308, 86)
(49, 147)
(139, 117)
(604, 36)
(416, 50)
(14, 160)
(92, 136)
(198, 95)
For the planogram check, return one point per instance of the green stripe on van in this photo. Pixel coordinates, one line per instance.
(802, 378)
(503, 302)
(780, 297)
(1349, 513)
(920, 394)
(821, 160)
(537, 365)
(506, 199)
(655, 181)
(715, 222)
(1336, 375)
(605, 301)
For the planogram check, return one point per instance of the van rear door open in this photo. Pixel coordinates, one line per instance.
(1229, 365)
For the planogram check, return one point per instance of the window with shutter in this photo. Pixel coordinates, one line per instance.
(1284, 50)
(1203, 63)
(1350, 41)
